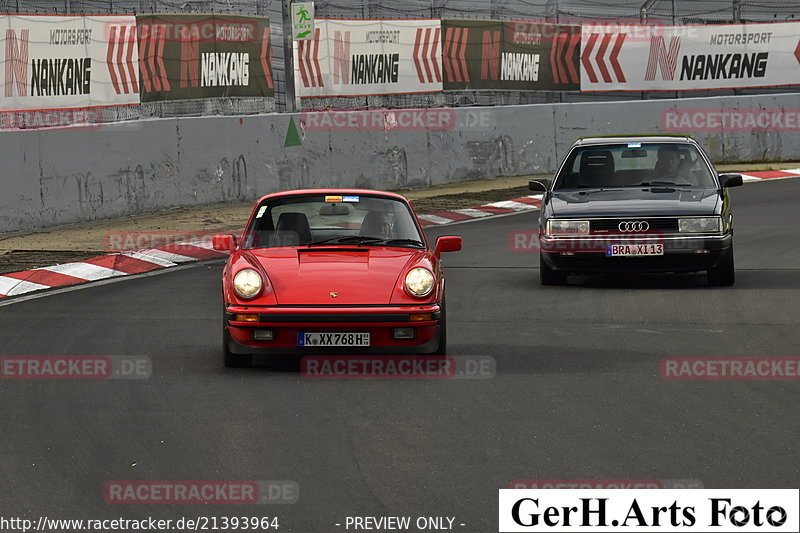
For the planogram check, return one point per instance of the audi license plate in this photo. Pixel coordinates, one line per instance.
(332, 338)
(631, 250)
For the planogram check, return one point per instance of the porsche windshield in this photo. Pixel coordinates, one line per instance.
(317, 219)
(635, 165)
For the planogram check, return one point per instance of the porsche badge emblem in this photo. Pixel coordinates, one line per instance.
(334, 294)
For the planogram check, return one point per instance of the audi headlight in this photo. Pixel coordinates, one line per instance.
(700, 225)
(419, 281)
(247, 283)
(567, 227)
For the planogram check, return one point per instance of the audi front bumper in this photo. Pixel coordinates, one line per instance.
(587, 255)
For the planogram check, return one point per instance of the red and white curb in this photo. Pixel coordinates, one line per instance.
(770, 174)
(104, 267)
(525, 203)
(139, 261)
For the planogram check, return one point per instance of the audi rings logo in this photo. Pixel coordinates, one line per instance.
(634, 225)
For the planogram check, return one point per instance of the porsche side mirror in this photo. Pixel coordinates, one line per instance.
(447, 243)
(539, 185)
(223, 242)
(730, 180)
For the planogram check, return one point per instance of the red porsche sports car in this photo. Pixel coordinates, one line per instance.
(341, 271)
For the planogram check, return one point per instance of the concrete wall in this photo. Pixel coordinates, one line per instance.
(79, 174)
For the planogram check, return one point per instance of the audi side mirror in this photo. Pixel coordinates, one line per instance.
(539, 185)
(730, 180)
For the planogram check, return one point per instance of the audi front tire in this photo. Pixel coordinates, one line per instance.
(724, 274)
(550, 276)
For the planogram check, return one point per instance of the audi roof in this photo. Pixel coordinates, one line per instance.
(639, 137)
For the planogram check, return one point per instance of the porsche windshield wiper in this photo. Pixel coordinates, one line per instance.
(414, 242)
(350, 239)
(359, 240)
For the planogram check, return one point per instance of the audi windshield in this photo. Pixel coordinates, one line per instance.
(635, 165)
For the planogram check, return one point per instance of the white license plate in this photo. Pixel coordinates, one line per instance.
(333, 338)
(631, 250)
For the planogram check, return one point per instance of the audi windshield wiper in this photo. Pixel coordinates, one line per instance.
(582, 186)
(664, 183)
(600, 189)
(351, 239)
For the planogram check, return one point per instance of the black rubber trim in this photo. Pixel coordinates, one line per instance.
(288, 318)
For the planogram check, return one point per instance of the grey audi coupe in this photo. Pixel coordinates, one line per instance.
(636, 204)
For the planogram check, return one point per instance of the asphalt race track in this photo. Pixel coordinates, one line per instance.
(577, 393)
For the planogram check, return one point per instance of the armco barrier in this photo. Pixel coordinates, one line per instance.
(61, 176)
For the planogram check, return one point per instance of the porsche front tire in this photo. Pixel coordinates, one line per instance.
(442, 350)
(234, 360)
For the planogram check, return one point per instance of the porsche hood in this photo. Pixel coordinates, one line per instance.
(336, 275)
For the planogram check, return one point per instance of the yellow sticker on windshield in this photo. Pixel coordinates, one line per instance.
(333, 198)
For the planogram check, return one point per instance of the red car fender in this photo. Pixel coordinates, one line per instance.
(428, 261)
(440, 278)
(240, 260)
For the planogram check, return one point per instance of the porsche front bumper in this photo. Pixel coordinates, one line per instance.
(287, 322)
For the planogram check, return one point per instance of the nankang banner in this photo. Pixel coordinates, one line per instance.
(67, 62)
(684, 58)
(204, 56)
(513, 56)
(366, 57)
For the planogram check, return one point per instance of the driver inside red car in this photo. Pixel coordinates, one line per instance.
(377, 224)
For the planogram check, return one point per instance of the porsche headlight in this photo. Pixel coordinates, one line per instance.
(419, 281)
(247, 283)
(567, 227)
(700, 225)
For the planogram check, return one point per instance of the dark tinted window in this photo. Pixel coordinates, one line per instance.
(635, 165)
